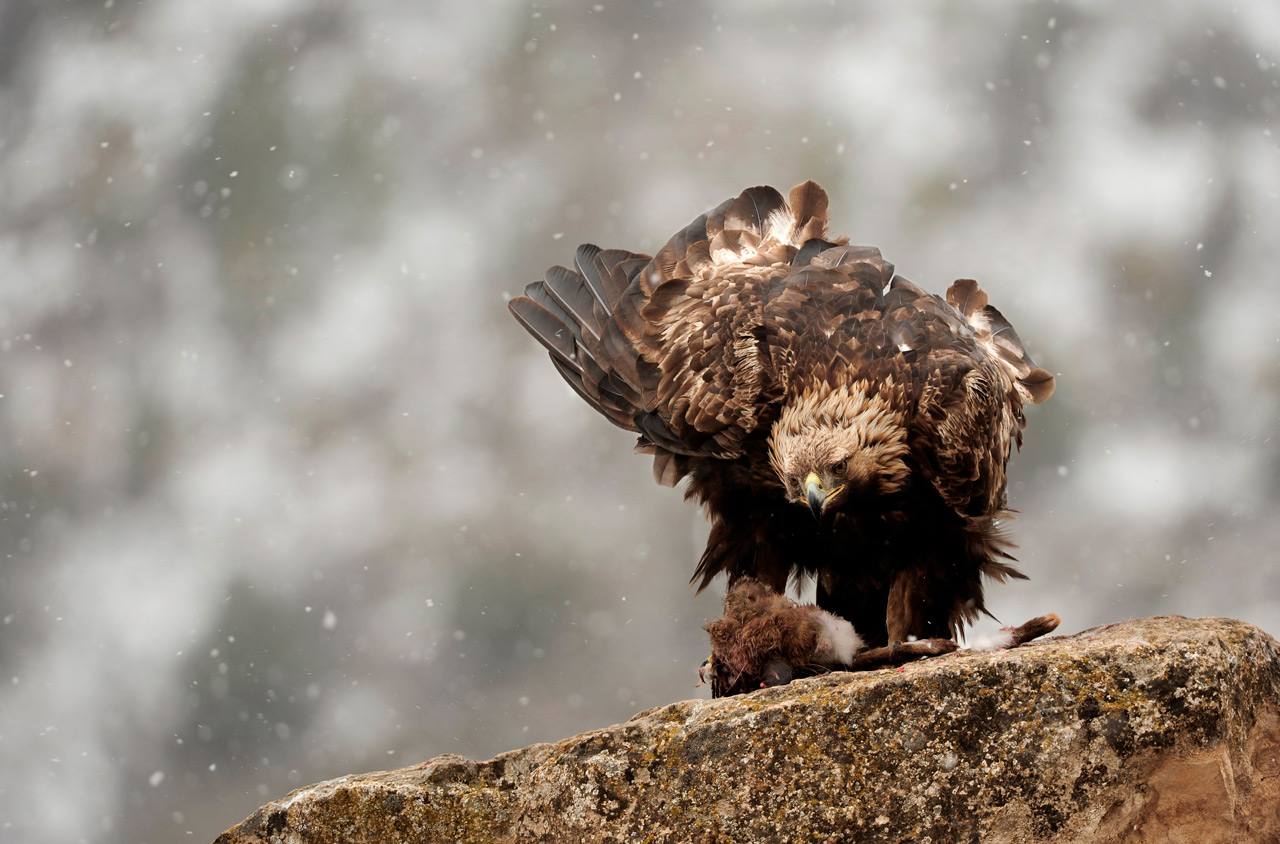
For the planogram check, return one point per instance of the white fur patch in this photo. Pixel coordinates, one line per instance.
(838, 641)
(998, 641)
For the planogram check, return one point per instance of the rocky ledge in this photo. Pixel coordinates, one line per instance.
(1164, 729)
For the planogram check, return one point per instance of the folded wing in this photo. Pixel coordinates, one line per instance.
(671, 346)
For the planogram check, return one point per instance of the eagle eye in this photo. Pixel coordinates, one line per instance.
(840, 467)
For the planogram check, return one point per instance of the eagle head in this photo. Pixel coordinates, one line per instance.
(835, 448)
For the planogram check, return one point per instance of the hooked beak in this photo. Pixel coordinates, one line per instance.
(814, 494)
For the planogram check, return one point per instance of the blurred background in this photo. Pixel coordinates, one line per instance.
(286, 494)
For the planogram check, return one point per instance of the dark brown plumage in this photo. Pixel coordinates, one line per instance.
(834, 419)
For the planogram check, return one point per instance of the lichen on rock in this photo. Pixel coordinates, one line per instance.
(1163, 729)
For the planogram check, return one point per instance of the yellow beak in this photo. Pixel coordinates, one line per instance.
(814, 494)
(817, 496)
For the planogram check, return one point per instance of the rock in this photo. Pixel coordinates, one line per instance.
(1165, 729)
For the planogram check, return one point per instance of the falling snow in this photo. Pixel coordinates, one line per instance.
(259, 377)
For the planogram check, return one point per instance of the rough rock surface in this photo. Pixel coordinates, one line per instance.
(1165, 729)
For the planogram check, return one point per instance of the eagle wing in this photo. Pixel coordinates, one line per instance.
(673, 347)
(974, 379)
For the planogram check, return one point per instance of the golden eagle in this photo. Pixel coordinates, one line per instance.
(833, 418)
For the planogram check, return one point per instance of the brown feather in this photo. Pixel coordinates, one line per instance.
(808, 203)
(1039, 383)
(585, 260)
(966, 296)
(667, 469)
(751, 211)
(612, 281)
(571, 292)
(614, 414)
(546, 328)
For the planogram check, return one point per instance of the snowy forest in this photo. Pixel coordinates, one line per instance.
(287, 494)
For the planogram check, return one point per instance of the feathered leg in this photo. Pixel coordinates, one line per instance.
(921, 607)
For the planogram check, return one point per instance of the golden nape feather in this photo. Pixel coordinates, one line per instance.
(834, 418)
